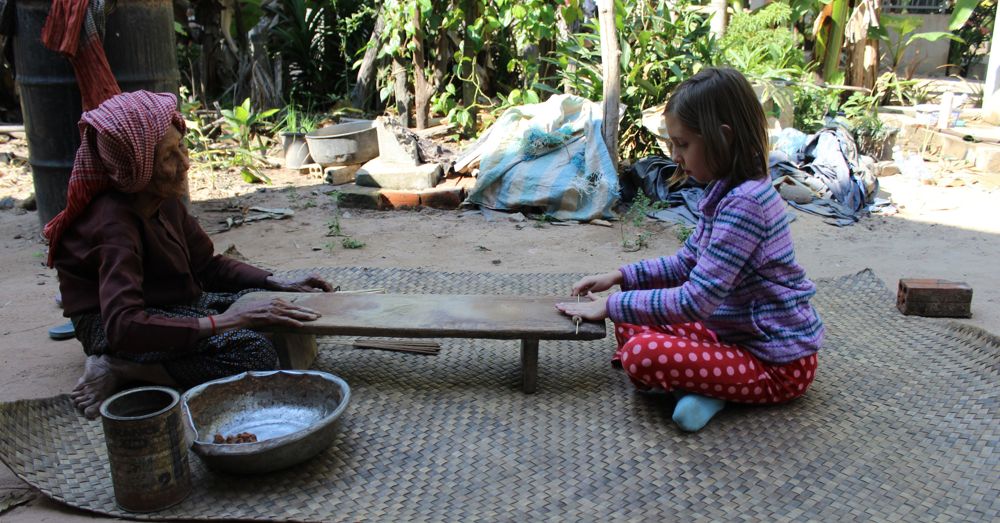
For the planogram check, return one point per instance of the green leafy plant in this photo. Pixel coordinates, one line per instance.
(240, 123)
(813, 104)
(351, 243)
(683, 232)
(333, 226)
(873, 137)
(762, 45)
(296, 121)
(903, 34)
(634, 234)
(660, 46)
(976, 31)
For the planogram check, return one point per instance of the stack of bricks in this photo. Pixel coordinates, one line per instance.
(935, 298)
(449, 194)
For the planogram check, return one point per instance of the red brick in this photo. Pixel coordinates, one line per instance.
(442, 198)
(398, 199)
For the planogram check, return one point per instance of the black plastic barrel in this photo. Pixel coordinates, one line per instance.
(140, 46)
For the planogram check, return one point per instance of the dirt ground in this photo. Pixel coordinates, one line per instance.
(939, 232)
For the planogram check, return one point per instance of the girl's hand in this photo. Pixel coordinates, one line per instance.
(311, 283)
(594, 309)
(596, 283)
(275, 311)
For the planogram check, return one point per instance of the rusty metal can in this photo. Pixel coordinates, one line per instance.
(147, 448)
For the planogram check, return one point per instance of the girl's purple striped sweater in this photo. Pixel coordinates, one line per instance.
(736, 274)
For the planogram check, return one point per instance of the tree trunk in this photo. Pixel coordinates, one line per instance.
(362, 91)
(471, 10)
(718, 23)
(421, 87)
(862, 52)
(610, 62)
(401, 91)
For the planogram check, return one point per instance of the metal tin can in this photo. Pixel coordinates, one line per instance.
(147, 448)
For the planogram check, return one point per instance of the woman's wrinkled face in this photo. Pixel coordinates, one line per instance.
(687, 148)
(170, 166)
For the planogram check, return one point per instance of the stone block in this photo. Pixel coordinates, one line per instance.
(396, 176)
(887, 168)
(397, 143)
(357, 197)
(341, 174)
(987, 156)
(952, 147)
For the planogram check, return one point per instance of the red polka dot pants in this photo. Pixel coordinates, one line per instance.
(691, 358)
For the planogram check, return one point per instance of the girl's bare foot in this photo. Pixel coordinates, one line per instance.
(99, 381)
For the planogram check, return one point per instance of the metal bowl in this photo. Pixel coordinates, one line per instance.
(344, 144)
(292, 413)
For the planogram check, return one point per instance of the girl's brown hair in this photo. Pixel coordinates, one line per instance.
(721, 96)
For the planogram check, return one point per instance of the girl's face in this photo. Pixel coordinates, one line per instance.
(688, 150)
(170, 165)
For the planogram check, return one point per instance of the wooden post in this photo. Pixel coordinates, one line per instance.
(295, 351)
(529, 366)
(611, 67)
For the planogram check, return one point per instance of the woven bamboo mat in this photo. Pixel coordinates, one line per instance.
(900, 424)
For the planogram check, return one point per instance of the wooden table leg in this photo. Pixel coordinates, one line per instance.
(529, 365)
(295, 351)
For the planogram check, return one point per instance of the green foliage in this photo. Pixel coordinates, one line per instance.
(634, 220)
(762, 45)
(241, 123)
(294, 120)
(890, 89)
(975, 32)
(316, 39)
(351, 243)
(870, 133)
(683, 232)
(657, 54)
(812, 106)
(903, 33)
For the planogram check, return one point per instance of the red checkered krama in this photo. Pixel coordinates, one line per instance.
(117, 148)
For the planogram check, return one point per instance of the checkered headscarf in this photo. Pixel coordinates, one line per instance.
(117, 148)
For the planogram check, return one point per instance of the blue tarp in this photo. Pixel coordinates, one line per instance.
(548, 157)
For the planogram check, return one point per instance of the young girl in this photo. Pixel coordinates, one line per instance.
(728, 317)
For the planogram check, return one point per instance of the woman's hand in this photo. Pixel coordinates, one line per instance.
(275, 311)
(311, 283)
(596, 283)
(594, 309)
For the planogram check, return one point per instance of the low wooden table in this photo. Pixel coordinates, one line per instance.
(527, 318)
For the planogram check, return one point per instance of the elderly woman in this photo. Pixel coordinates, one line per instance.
(148, 298)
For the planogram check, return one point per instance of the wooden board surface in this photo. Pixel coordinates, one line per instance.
(438, 316)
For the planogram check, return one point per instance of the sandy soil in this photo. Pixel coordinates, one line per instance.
(941, 232)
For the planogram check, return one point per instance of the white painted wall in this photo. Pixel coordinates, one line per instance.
(992, 67)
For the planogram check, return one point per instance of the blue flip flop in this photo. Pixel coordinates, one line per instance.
(63, 332)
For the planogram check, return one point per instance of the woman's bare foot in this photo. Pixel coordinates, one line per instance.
(99, 381)
(102, 375)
